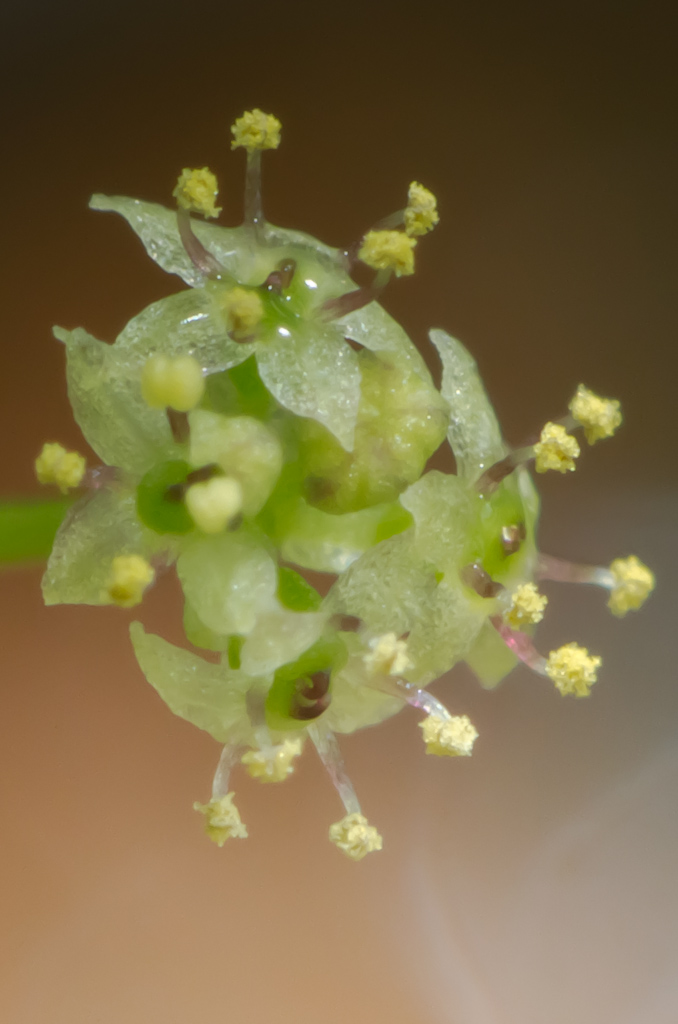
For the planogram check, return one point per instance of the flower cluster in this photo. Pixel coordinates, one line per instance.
(272, 421)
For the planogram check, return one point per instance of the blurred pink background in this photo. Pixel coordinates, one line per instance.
(535, 883)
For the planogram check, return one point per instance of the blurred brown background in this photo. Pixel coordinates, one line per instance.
(535, 883)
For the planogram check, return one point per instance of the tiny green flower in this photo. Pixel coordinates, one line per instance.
(272, 421)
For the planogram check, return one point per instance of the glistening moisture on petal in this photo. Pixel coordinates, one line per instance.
(265, 437)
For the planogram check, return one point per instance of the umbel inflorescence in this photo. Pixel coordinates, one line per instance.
(273, 420)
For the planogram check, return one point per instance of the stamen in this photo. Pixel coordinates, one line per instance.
(55, 465)
(571, 668)
(201, 258)
(222, 819)
(325, 742)
(389, 250)
(411, 694)
(214, 503)
(475, 577)
(355, 837)
(420, 214)
(387, 656)
(244, 310)
(453, 737)
(555, 449)
(229, 758)
(629, 581)
(129, 578)
(527, 607)
(333, 309)
(599, 417)
(196, 192)
(273, 763)
(175, 383)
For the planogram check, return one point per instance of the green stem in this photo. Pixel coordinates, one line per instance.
(27, 529)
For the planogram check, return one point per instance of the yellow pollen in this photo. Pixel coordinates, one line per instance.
(244, 310)
(273, 765)
(130, 575)
(177, 383)
(555, 449)
(451, 737)
(212, 504)
(599, 417)
(421, 214)
(573, 669)
(54, 465)
(197, 190)
(355, 837)
(389, 250)
(527, 606)
(222, 819)
(633, 583)
(387, 656)
(256, 130)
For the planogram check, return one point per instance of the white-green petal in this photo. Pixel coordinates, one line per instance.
(209, 696)
(441, 508)
(489, 657)
(279, 637)
(375, 329)
(354, 703)
(99, 527)
(188, 323)
(330, 543)
(105, 393)
(473, 431)
(312, 372)
(228, 579)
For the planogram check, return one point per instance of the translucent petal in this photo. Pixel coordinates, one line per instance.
(374, 328)
(234, 248)
(228, 579)
(354, 704)
(209, 696)
(105, 393)
(489, 658)
(278, 638)
(473, 432)
(243, 447)
(187, 323)
(330, 543)
(104, 524)
(441, 508)
(312, 372)
(392, 588)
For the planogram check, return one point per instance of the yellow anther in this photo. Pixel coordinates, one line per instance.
(256, 130)
(177, 383)
(453, 737)
(555, 449)
(275, 764)
(633, 583)
(54, 465)
(197, 190)
(527, 606)
(212, 504)
(387, 656)
(222, 819)
(389, 250)
(573, 669)
(130, 575)
(244, 310)
(355, 837)
(421, 214)
(599, 417)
